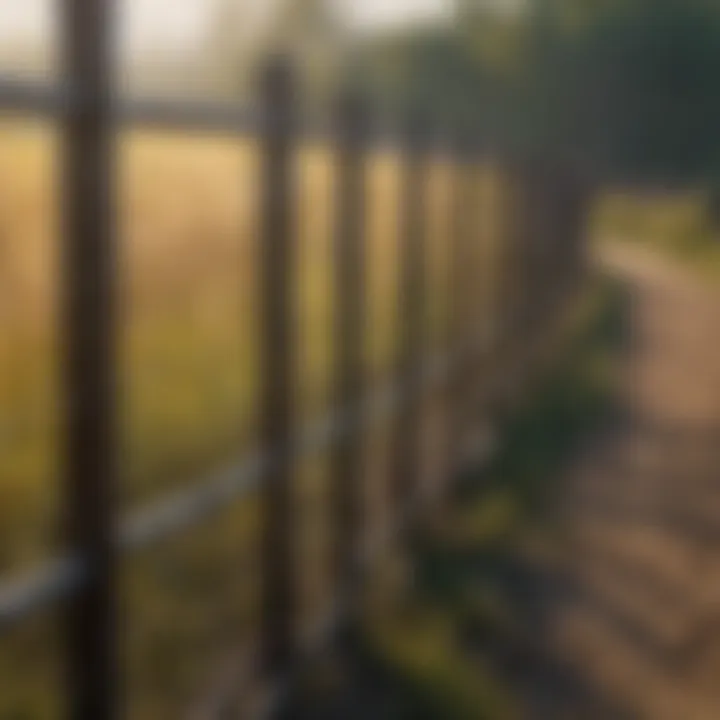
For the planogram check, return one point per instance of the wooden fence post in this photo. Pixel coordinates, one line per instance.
(582, 199)
(515, 279)
(458, 283)
(349, 272)
(549, 257)
(89, 368)
(277, 351)
(412, 320)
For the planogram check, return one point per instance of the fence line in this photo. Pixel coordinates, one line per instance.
(543, 259)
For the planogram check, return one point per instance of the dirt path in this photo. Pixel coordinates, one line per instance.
(630, 621)
(615, 607)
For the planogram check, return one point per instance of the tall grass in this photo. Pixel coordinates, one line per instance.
(188, 261)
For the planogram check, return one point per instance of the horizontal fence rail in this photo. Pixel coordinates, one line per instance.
(541, 267)
(189, 508)
(27, 98)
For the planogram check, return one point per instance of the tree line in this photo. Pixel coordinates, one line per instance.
(629, 87)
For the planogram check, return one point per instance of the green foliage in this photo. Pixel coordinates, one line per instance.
(441, 653)
(462, 80)
(627, 86)
(636, 86)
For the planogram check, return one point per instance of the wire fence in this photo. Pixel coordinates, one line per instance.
(542, 270)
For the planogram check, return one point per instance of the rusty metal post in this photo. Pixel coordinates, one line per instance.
(277, 354)
(89, 367)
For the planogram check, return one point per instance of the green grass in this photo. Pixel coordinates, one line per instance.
(675, 224)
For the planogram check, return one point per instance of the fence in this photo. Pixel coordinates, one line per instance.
(542, 266)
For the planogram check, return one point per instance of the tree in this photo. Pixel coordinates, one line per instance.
(633, 89)
(628, 86)
(463, 76)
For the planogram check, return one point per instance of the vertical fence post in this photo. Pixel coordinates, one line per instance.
(89, 367)
(572, 230)
(412, 320)
(582, 199)
(551, 199)
(478, 277)
(526, 332)
(515, 277)
(565, 237)
(564, 242)
(543, 231)
(527, 243)
(277, 253)
(504, 284)
(533, 240)
(560, 239)
(458, 285)
(349, 271)
(537, 241)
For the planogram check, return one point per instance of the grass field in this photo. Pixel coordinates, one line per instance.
(675, 223)
(187, 298)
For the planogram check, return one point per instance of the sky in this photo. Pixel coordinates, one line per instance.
(183, 24)
(375, 12)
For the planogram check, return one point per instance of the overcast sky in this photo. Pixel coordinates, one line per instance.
(183, 24)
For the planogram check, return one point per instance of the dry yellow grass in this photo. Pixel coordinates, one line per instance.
(187, 269)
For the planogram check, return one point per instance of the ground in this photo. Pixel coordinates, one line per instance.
(632, 606)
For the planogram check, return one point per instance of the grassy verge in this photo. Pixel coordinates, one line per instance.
(446, 649)
(674, 224)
